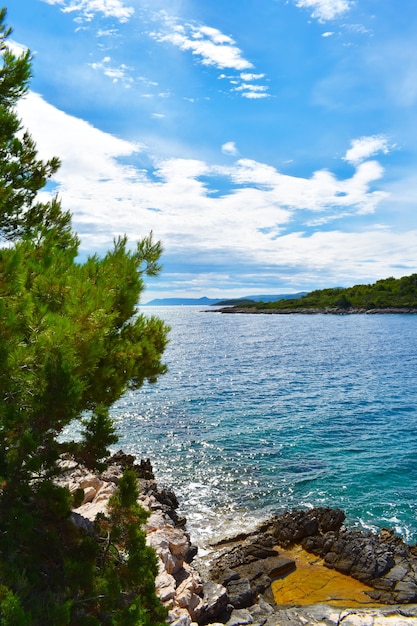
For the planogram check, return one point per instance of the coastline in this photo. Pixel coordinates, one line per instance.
(318, 311)
(232, 583)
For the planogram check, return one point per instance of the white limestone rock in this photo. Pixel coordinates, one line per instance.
(89, 494)
(188, 593)
(165, 586)
(179, 617)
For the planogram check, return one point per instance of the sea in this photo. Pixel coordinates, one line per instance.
(261, 414)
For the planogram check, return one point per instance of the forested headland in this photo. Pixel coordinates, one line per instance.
(388, 293)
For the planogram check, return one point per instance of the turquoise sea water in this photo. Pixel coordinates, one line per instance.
(264, 413)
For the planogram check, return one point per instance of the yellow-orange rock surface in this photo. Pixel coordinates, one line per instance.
(313, 583)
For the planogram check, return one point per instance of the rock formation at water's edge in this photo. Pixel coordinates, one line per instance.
(233, 586)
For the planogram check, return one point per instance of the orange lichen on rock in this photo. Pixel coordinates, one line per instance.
(311, 582)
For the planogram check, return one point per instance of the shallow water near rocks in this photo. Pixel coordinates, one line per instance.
(259, 414)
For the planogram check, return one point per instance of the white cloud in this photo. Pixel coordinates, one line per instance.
(87, 154)
(365, 147)
(320, 193)
(249, 87)
(16, 48)
(246, 89)
(357, 28)
(230, 148)
(252, 91)
(115, 73)
(325, 10)
(212, 46)
(247, 76)
(345, 258)
(214, 34)
(254, 95)
(111, 197)
(250, 220)
(88, 8)
(110, 32)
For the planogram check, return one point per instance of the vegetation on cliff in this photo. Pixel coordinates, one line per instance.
(71, 343)
(386, 293)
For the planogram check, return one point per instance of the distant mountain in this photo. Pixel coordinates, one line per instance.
(225, 302)
(263, 298)
(181, 301)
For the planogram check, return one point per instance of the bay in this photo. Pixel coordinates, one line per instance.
(259, 414)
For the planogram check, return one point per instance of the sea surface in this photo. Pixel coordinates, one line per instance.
(260, 414)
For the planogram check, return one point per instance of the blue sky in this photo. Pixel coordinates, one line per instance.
(271, 145)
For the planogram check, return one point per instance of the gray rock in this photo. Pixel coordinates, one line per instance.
(245, 552)
(82, 523)
(306, 616)
(216, 600)
(241, 594)
(294, 526)
(240, 617)
(399, 571)
(225, 576)
(406, 591)
(261, 611)
(272, 567)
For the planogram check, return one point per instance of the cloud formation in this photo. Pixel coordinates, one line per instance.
(209, 44)
(325, 10)
(229, 148)
(257, 146)
(212, 48)
(86, 9)
(16, 48)
(365, 147)
(253, 220)
(120, 73)
(252, 91)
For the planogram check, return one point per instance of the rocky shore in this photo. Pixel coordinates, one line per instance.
(232, 583)
(312, 311)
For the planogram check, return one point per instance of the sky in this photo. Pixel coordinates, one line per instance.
(270, 145)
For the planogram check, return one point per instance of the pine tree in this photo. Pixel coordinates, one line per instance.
(71, 343)
(22, 174)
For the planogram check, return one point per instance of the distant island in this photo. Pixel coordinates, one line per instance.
(389, 295)
(181, 301)
(225, 302)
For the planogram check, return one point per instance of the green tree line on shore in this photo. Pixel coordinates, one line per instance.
(71, 343)
(385, 293)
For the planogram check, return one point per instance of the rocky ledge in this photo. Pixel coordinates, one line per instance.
(232, 585)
